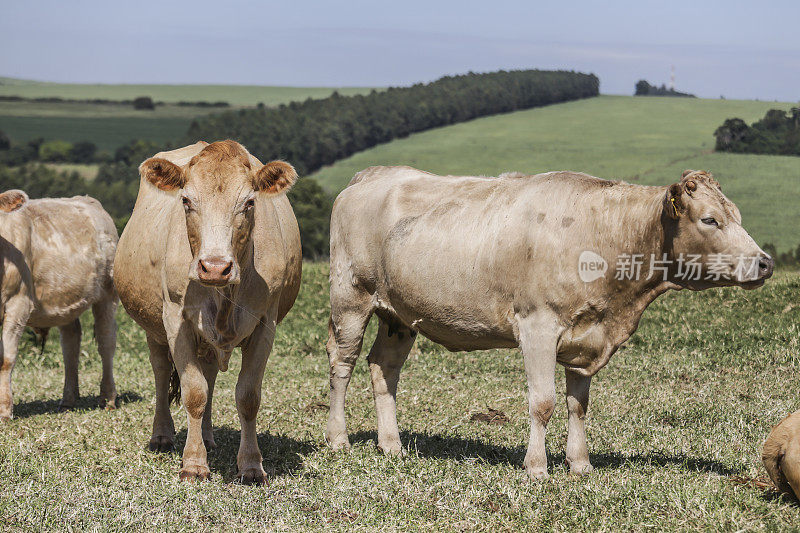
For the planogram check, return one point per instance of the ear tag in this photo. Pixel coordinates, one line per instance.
(674, 206)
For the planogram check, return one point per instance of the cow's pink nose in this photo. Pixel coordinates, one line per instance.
(214, 270)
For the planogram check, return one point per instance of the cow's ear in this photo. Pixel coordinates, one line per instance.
(673, 201)
(12, 200)
(274, 178)
(686, 173)
(164, 174)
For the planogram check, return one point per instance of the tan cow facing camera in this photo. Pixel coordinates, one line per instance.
(210, 260)
(57, 257)
(561, 265)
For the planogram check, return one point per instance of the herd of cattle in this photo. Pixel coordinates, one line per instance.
(211, 260)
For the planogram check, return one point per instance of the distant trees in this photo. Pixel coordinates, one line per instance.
(83, 152)
(643, 88)
(143, 102)
(314, 133)
(5, 142)
(312, 206)
(55, 151)
(777, 133)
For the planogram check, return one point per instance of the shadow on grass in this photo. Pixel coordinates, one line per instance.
(84, 403)
(462, 449)
(282, 455)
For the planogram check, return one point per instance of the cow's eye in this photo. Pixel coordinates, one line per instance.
(187, 204)
(248, 205)
(711, 221)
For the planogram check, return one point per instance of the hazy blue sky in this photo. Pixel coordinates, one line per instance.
(734, 48)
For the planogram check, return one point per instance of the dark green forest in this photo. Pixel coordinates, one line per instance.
(307, 134)
(777, 133)
(643, 88)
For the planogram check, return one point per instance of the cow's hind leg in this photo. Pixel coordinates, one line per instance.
(577, 405)
(538, 338)
(386, 358)
(105, 332)
(163, 435)
(71, 349)
(345, 336)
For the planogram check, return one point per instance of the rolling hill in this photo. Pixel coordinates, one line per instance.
(640, 140)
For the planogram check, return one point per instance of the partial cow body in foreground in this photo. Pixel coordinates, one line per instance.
(57, 258)
(781, 455)
(516, 261)
(210, 260)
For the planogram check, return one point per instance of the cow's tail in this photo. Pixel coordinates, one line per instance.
(174, 386)
(42, 333)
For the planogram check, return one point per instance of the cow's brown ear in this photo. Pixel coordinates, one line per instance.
(673, 202)
(686, 173)
(164, 174)
(275, 177)
(12, 200)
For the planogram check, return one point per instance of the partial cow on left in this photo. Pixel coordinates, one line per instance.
(57, 255)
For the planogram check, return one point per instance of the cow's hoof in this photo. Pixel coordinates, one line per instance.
(252, 476)
(195, 473)
(109, 404)
(537, 474)
(209, 444)
(5, 418)
(580, 469)
(160, 443)
(338, 443)
(395, 449)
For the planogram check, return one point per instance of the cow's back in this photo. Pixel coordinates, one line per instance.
(73, 241)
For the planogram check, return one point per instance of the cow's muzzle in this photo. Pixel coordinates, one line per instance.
(216, 271)
(766, 265)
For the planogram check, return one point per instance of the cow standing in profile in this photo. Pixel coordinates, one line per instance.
(57, 258)
(474, 263)
(210, 260)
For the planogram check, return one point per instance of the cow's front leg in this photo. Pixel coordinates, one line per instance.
(577, 405)
(537, 339)
(194, 394)
(16, 316)
(248, 399)
(210, 369)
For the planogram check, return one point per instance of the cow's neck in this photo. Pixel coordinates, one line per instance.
(227, 300)
(648, 238)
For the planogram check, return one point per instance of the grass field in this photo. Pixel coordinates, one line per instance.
(111, 125)
(641, 140)
(675, 426)
(236, 95)
(107, 133)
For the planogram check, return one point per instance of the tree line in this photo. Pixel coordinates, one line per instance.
(315, 133)
(643, 88)
(777, 133)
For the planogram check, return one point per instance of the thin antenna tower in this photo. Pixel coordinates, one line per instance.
(672, 77)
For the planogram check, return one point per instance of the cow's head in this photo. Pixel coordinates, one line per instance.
(218, 189)
(12, 200)
(705, 227)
